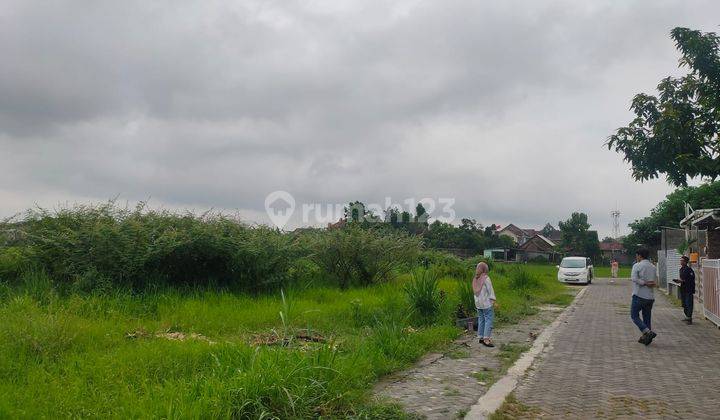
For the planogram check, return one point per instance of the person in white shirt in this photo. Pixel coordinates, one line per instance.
(484, 302)
(643, 277)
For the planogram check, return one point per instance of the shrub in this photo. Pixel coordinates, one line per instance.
(139, 248)
(466, 296)
(362, 256)
(447, 265)
(521, 279)
(13, 261)
(474, 261)
(539, 259)
(424, 295)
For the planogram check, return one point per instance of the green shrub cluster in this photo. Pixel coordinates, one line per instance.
(98, 247)
(89, 246)
(424, 296)
(357, 256)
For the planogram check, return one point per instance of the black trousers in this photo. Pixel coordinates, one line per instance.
(688, 301)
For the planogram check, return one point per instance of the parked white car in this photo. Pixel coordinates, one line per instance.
(576, 270)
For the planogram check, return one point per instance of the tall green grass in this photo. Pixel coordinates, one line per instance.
(96, 353)
(424, 295)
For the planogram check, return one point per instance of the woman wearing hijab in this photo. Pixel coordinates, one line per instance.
(484, 302)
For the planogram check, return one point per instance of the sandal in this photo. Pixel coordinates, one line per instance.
(488, 343)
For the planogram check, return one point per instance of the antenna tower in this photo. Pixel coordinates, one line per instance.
(615, 214)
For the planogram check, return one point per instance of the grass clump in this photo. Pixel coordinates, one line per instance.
(513, 409)
(358, 256)
(424, 296)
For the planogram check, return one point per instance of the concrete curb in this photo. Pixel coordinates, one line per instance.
(495, 396)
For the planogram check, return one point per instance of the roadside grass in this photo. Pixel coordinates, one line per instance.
(215, 354)
(513, 409)
(604, 271)
(510, 353)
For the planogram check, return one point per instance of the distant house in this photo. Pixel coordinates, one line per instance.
(537, 247)
(518, 235)
(551, 233)
(614, 249)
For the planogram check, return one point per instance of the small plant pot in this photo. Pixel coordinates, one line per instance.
(467, 323)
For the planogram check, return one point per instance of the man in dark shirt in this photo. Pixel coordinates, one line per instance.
(687, 288)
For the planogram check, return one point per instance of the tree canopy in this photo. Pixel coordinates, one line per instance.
(576, 236)
(676, 132)
(669, 212)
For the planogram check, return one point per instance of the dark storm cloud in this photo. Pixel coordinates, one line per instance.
(216, 104)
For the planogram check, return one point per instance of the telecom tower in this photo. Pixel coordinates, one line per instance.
(615, 214)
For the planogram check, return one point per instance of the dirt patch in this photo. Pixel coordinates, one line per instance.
(273, 338)
(141, 333)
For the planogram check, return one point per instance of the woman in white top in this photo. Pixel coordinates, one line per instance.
(484, 302)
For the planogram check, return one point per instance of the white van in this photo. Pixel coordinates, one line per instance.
(576, 270)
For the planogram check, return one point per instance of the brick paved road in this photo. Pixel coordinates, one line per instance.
(595, 368)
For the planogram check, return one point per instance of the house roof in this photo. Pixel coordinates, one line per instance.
(543, 240)
(513, 229)
(551, 243)
(555, 236)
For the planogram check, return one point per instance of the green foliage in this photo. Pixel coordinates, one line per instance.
(466, 296)
(70, 356)
(669, 212)
(473, 262)
(83, 245)
(576, 236)
(423, 295)
(446, 265)
(676, 132)
(356, 256)
(469, 235)
(525, 281)
(13, 261)
(686, 245)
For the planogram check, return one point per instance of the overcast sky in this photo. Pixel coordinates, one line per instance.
(503, 106)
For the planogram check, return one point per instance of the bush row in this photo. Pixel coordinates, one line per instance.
(92, 247)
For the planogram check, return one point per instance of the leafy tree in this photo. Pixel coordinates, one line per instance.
(470, 225)
(491, 230)
(576, 236)
(547, 230)
(676, 132)
(669, 212)
(421, 215)
(355, 211)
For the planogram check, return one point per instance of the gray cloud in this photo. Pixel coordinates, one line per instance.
(504, 106)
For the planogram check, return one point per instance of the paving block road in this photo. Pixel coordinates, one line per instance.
(595, 368)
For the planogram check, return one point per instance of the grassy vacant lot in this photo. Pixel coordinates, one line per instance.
(166, 353)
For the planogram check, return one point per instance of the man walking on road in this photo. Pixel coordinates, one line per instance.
(643, 281)
(687, 288)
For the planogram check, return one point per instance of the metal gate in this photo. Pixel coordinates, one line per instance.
(711, 290)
